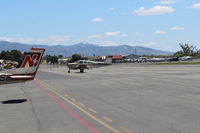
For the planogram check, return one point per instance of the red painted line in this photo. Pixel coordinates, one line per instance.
(67, 109)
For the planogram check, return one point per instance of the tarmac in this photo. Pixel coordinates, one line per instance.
(121, 98)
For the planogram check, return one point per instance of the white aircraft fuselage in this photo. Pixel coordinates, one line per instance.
(86, 64)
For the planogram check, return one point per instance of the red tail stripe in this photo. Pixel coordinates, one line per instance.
(19, 79)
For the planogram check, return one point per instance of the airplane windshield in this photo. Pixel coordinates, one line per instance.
(80, 61)
(84, 62)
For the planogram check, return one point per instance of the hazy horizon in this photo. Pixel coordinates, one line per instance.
(84, 44)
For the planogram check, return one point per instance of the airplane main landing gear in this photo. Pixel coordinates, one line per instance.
(81, 70)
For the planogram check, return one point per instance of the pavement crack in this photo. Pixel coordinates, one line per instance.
(32, 108)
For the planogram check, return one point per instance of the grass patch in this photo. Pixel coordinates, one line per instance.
(176, 63)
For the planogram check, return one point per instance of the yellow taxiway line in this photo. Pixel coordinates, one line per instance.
(107, 119)
(79, 108)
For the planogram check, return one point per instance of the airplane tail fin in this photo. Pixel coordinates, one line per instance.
(29, 66)
(108, 60)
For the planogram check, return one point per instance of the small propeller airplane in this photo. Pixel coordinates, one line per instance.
(87, 64)
(27, 69)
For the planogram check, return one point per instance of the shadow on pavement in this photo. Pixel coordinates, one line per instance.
(14, 101)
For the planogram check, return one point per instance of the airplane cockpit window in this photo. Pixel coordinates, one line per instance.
(81, 62)
(89, 62)
(84, 62)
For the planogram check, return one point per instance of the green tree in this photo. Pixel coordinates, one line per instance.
(48, 58)
(187, 50)
(51, 59)
(9, 56)
(76, 57)
(60, 56)
(54, 59)
(3, 55)
(16, 55)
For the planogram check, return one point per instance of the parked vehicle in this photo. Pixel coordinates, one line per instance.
(173, 59)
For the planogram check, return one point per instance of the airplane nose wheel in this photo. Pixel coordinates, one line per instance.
(69, 71)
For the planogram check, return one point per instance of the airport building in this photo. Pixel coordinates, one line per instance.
(116, 58)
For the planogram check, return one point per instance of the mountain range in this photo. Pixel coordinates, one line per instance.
(84, 49)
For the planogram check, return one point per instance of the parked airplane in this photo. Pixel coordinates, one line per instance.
(185, 58)
(86, 64)
(157, 59)
(27, 69)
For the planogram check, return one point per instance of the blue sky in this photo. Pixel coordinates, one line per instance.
(160, 24)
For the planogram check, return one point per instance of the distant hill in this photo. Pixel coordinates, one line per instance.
(84, 49)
